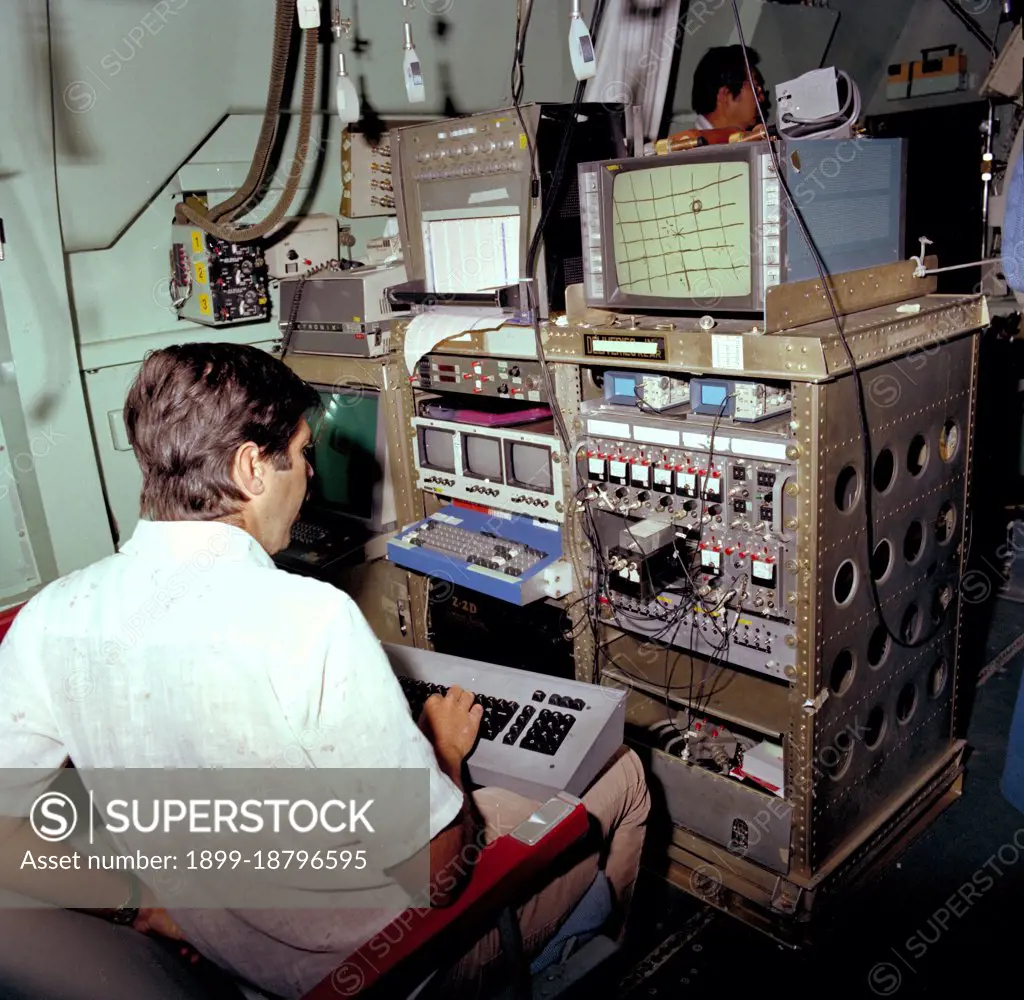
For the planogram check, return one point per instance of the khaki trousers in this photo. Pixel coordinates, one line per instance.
(618, 803)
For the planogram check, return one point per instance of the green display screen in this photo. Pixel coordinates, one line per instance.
(343, 452)
(683, 231)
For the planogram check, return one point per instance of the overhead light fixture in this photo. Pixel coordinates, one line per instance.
(347, 95)
(581, 45)
(412, 70)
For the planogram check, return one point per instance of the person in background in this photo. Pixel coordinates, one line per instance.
(722, 95)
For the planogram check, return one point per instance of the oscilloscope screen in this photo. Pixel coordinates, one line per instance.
(684, 230)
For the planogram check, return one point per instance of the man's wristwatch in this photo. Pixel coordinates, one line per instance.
(126, 914)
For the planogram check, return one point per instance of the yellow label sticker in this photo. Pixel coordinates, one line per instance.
(201, 276)
(613, 167)
(356, 319)
(522, 140)
(198, 243)
(204, 305)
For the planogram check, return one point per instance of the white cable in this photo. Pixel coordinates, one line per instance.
(960, 267)
(831, 127)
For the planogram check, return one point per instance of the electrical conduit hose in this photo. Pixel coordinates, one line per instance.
(186, 213)
(283, 24)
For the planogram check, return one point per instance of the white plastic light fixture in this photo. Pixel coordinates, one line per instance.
(347, 95)
(414, 88)
(581, 45)
(309, 13)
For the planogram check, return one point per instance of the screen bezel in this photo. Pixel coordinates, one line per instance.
(615, 298)
(697, 406)
(464, 458)
(382, 517)
(510, 479)
(421, 433)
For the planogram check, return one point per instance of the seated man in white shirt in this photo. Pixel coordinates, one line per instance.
(722, 95)
(190, 648)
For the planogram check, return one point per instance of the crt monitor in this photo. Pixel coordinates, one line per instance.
(711, 229)
(349, 455)
(437, 449)
(481, 457)
(529, 465)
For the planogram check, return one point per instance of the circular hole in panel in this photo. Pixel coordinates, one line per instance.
(878, 646)
(847, 488)
(835, 759)
(949, 440)
(881, 561)
(885, 470)
(910, 627)
(841, 676)
(913, 542)
(845, 584)
(917, 455)
(941, 601)
(875, 728)
(938, 676)
(906, 703)
(945, 523)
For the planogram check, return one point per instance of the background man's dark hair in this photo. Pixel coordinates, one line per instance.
(190, 409)
(720, 67)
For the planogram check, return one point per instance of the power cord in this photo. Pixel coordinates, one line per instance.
(532, 256)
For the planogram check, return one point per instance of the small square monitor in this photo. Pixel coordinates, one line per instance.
(481, 457)
(437, 449)
(529, 466)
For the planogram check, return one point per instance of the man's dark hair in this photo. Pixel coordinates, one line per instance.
(720, 67)
(192, 407)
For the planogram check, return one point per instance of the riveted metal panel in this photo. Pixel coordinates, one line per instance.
(886, 713)
(809, 417)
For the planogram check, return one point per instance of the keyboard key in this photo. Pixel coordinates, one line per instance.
(548, 732)
(475, 548)
(497, 711)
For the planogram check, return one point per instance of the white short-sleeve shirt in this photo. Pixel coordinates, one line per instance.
(190, 648)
